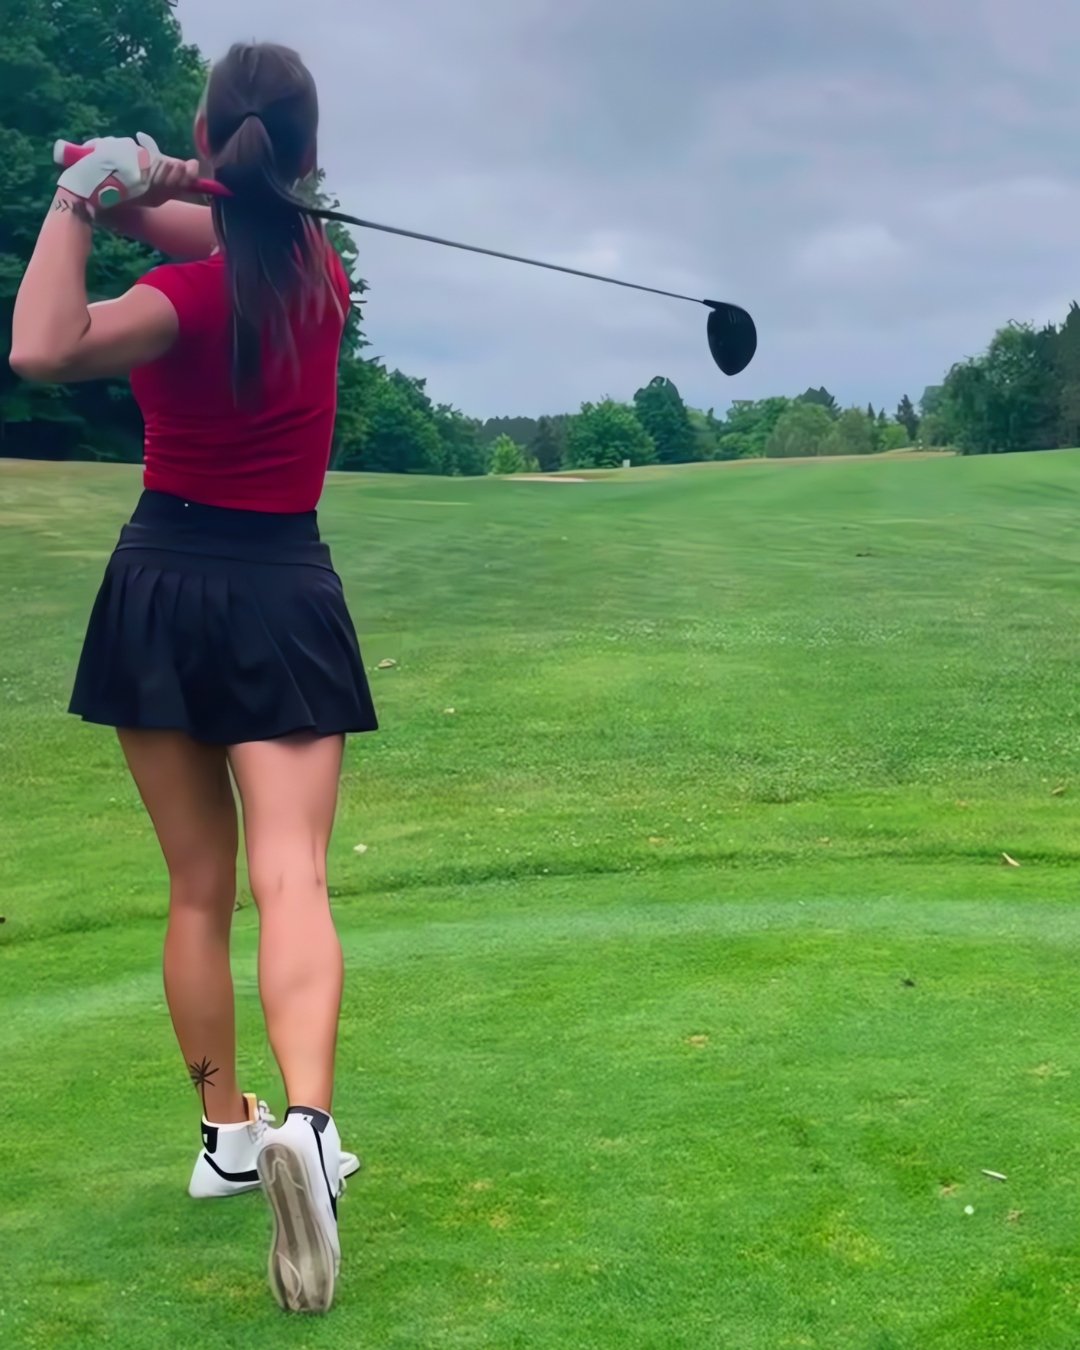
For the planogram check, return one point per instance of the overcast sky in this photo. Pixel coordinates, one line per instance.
(880, 182)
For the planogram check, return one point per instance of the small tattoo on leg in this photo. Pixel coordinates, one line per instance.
(202, 1075)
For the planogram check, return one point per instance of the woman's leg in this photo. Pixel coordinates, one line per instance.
(289, 792)
(186, 789)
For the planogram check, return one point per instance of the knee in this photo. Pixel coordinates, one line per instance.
(204, 886)
(280, 875)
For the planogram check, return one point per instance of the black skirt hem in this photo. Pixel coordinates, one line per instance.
(316, 730)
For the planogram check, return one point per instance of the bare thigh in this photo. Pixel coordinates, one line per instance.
(187, 792)
(289, 792)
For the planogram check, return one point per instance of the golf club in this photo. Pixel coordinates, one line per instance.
(731, 332)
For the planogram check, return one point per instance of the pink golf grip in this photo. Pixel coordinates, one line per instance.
(68, 153)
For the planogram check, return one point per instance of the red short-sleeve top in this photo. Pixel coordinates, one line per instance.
(205, 445)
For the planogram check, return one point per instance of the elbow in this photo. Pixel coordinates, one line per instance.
(35, 366)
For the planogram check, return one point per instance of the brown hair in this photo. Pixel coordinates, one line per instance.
(262, 122)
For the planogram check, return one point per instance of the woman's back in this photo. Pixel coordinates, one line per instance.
(206, 445)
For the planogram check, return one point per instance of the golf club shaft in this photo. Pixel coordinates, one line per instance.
(68, 153)
(506, 257)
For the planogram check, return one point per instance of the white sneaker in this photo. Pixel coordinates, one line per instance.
(226, 1165)
(295, 1164)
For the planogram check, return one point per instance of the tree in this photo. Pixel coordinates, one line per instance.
(747, 428)
(548, 445)
(663, 414)
(401, 437)
(1067, 365)
(908, 418)
(520, 429)
(894, 437)
(507, 456)
(936, 431)
(706, 432)
(603, 434)
(850, 435)
(823, 399)
(732, 445)
(932, 399)
(73, 69)
(801, 431)
(463, 452)
(357, 394)
(1008, 399)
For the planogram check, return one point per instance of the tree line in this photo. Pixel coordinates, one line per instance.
(74, 68)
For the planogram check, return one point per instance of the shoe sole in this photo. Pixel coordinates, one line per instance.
(226, 1189)
(302, 1266)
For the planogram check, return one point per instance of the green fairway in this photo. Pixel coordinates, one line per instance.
(689, 992)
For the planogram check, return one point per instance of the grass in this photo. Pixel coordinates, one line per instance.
(689, 996)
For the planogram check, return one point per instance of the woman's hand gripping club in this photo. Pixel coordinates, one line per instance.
(116, 170)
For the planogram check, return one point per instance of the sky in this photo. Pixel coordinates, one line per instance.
(882, 183)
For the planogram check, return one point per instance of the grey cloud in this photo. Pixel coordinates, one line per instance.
(880, 183)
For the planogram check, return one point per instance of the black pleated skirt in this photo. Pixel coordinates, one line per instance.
(228, 625)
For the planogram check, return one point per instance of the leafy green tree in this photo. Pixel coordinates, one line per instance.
(908, 418)
(746, 430)
(520, 429)
(663, 414)
(894, 437)
(706, 433)
(358, 391)
(1008, 399)
(875, 422)
(851, 434)
(73, 69)
(939, 418)
(801, 431)
(464, 454)
(931, 402)
(401, 436)
(1067, 366)
(507, 456)
(732, 445)
(936, 431)
(548, 445)
(603, 434)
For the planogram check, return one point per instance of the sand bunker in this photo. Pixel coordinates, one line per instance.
(546, 478)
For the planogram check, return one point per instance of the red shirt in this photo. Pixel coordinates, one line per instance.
(200, 444)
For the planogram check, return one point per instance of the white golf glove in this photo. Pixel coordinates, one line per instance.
(116, 170)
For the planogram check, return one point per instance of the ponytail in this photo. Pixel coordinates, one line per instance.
(272, 252)
(262, 115)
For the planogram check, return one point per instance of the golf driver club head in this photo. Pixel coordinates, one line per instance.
(732, 336)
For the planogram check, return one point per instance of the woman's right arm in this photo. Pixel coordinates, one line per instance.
(181, 230)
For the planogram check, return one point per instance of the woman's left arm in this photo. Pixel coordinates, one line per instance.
(56, 336)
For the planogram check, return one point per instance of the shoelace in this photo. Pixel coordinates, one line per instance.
(263, 1120)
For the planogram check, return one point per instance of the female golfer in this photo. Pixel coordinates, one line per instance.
(220, 639)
